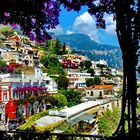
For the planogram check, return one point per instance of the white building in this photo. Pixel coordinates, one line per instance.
(50, 84)
(93, 65)
(38, 73)
(113, 71)
(102, 62)
(78, 79)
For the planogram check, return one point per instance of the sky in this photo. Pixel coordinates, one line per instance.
(83, 22)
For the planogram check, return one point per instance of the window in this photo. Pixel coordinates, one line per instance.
(14, 95)
(47, 82)
(5, 97)
(91, 93)
(108, 106)
(100, 94)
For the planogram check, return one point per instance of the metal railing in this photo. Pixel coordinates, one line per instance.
(32, 135)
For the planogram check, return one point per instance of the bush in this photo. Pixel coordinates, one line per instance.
(30, 122)
(109, 121)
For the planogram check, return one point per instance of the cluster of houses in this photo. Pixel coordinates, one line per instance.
(72, 61)
(20, 50)
(13, 89)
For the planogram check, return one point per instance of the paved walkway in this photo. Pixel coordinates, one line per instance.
(48, 120)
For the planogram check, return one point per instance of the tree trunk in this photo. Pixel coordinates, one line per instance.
(128, 47)
(131, 92)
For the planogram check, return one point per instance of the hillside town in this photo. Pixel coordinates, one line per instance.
(70, 90)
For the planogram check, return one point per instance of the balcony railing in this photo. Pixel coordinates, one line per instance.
(32, 135)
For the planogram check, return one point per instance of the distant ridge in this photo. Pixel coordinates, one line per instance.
(95, 51)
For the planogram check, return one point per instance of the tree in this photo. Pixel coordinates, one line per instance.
(97, 80)
(58, 47)
(2, 63)
(101, 66)
(109, 121)
(47, 44)
(6, 31)
(81, 64)
(60, 100)
(51, 64)
(73, 97)
(53, 59)
(44, 60)
(90, 82)
(91, 71)
(62, 82)
(88, 64)
(73, 51)
(64, 48)
(48, 60)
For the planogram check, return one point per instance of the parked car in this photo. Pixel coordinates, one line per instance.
(13, 124)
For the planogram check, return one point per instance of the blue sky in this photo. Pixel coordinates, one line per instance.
(83, 22)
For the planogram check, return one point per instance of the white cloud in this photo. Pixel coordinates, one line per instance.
(110, 24)
(69, 32)
(86, 24)
(57, 31)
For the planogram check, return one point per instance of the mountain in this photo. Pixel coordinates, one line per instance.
(93, 50)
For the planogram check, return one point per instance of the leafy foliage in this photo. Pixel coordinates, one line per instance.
(58, 47)
(62, 82)
(81, 64)
(91, 71)
(93, 81)
(70, 130)
(60, 100)
(41, 15)
(51, 64)
(90, 82)
(88, 64)
(28, 125)
(73, 97)
(109, 121)
(6, 31)
(64, 49)
(97, 80)
(2, 63)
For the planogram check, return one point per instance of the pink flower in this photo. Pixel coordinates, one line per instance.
(6, 14)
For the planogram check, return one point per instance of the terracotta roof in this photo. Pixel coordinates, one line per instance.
(103, 86)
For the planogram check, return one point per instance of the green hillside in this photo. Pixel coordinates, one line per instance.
(85, 46)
